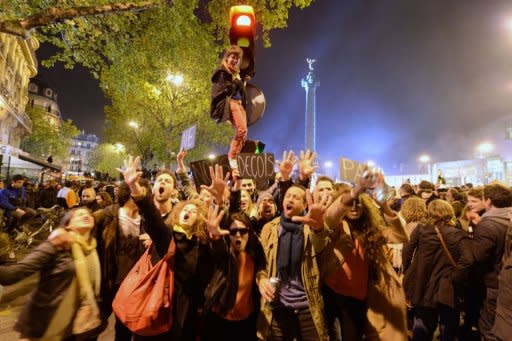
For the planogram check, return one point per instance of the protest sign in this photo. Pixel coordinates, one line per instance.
(259, 167)
(188, 138)
(350, 170)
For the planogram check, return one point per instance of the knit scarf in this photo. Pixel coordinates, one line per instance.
(87, 263)
(289, 255)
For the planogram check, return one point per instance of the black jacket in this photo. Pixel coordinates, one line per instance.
(223, 287)
(192, 270)
(430, 278)
(489, 242)
(223, 88)
(57, 272)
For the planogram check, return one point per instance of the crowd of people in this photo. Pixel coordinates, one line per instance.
(305, 259)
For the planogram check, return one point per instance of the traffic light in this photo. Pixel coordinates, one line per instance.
(243, 34)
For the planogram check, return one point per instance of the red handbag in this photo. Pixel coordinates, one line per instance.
(143, 302)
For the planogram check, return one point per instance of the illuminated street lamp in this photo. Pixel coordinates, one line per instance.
(328, 164)
(371, 163)
(424, 158)
(133, 124)
(175, 79)
(119, 147)
(211, 156)
(484, 148)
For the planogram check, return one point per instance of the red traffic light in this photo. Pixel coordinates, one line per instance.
(242, 15)
(243, 33)
(243, 20)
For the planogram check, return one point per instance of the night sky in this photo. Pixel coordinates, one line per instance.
(398, 78)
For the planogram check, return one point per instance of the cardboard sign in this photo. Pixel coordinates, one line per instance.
(259, 167)
(350, 170)
(188, 138)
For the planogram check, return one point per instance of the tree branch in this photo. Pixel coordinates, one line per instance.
(22, 27)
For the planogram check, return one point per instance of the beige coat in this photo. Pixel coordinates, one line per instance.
(310, 275)
(385, 300)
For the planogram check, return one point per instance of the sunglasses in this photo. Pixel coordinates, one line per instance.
(242, 231)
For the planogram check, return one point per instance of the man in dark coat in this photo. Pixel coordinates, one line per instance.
(488, 246)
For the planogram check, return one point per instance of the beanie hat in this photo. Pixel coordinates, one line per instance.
(263, 195)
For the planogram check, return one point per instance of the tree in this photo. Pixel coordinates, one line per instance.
(132, 53)
(47, 139)
(106, 158)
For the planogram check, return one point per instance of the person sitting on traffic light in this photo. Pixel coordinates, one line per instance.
(228, 100)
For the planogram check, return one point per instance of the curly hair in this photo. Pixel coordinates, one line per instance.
(199, 227)
(414, 210)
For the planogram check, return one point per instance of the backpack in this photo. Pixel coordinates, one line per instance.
(144, 300)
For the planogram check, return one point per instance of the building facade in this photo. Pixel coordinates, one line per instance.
(80, 153)
(18, 64)
(41, 96)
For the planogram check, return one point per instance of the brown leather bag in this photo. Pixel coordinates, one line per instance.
(143, 302)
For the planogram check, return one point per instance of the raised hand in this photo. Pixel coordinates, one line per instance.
(130, 170)
(306, 161)
(219, 183)
(131, 174)
(286, 165)
(179, 158)
(316, 211)
(367, 179)
(213, 222)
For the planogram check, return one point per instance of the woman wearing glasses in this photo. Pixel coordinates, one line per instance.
(231, 296)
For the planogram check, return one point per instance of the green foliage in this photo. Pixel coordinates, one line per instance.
(106, 158)
(46, 139)
(133, 52)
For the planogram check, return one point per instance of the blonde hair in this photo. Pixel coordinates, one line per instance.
(441, 212)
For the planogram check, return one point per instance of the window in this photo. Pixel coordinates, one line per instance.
(48, 93)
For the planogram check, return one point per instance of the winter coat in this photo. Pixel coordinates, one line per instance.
(503, 322)
(385, 300)
(223, 88)
(310, 275)
(192, 269)
(220, 295)
(57, 274)
(430, 278)
(117, 253)
(489, 242)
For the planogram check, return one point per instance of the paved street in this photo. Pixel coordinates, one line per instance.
(12, 302)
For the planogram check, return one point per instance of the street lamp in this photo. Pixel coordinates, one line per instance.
(133, 124)
(328, 164)
(371, 163)
(424, 158)
(175, 79)
(211, 156)
(484, 148)
(119, 147)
